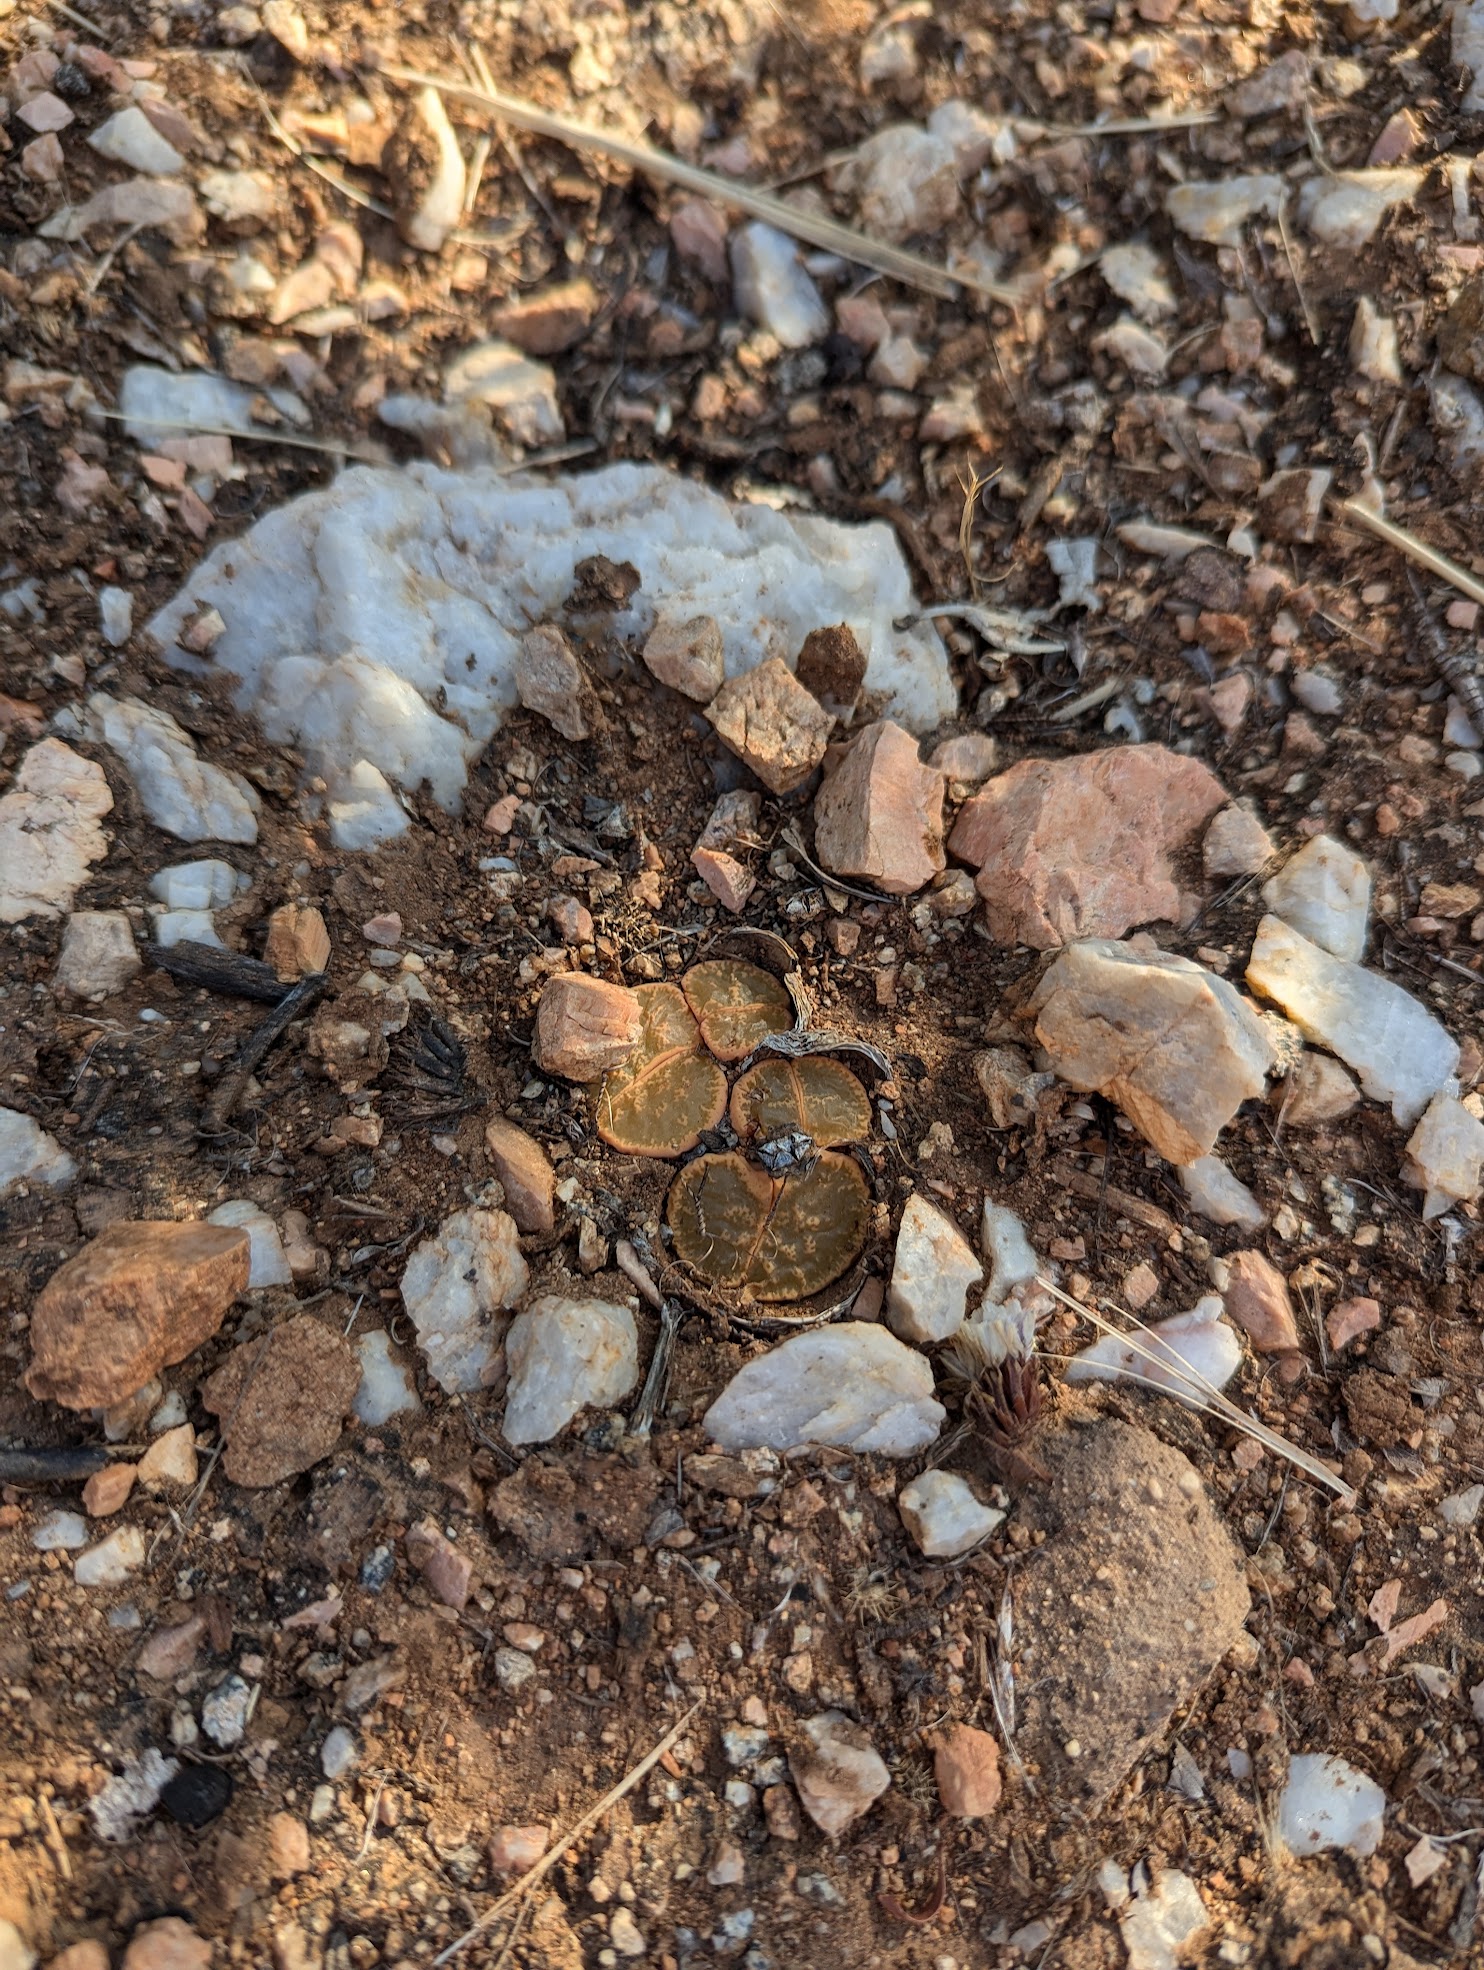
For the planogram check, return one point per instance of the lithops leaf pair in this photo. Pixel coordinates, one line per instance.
(774, 1238)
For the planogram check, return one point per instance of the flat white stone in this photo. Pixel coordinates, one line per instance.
(1075, 564)
(60, 1532)
(49, 832)
(1345, 208)
(375, 624)
(1324, 892)
(1216, 210)
(1182, 1356)
(770, 287)
(1220, 1196)
(566, 1356)
(943, 1515)
(1445, 1156)
(386, 1386)
(98, 955)
(1328, 1803)
(159, 403)
(339, 1753)
(1468, 51)
(29, 1155)
(1236, 844)
(112, 1560)
(115, 616)
(1458, 728)
(1138, 275)
(931, 1274)
(1461, 1507)
(455, 1288)
(852, 1384)
(1012, 1261)
(1158, 1925)
(205, 885)
(1401, 1053)
(266, 1261)
(180, 792)
(172, 927)
(128, 137)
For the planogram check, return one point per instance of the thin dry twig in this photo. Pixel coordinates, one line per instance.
(523, 1889)
(826, 234)
(1414, 549)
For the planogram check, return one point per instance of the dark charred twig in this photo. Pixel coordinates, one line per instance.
(220, 971)
(52, 1466)
(1454, 668)
(296, 1001)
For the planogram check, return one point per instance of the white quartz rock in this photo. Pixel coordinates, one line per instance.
(1075, 564)
(49, 832)
(1373, 347)
(770, 286)
(1401, 1053)
(1324, 892)
(509, 385)
(1216, 210)
(838, 1771)
(1458, 728)
(267, 1264)
(60, 1532)
(1012, 1262)
(905, 180)
(374, 625)
(161, 403)
(1182, 1356)
(1328, 1803)
(1468, 51)
(853, 1385)
(129, 1795)
(442, 203)
(456, 1286)
(1345, 208)
(128, 137)
(1137, 275)
(943, 1515)
(115, 616)
(1138, 348)
(29, 1155)
(931, 1274)
(1445, 1156)
(565, 1356)
(98, 955)
(185, 927)
(180, 792)
(1157, 1926)
(386, 1386)
(112, 1560)
(1220, 1196)
(205, 885)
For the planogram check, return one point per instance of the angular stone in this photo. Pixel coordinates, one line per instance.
(832, 667)
(551, 682)
(1220, 1196)
(1173, 1045)
(1328, 1803)
(268, 1263)
(770, 286)
(1236, 844)
(551, 319)
(687, 656)
(49, 832)
(1166, 1916)
(282, 1400)
(571, 920)
(185, 795)
(386, 1388)
(1081, 847)
(169, 1652)
(169, 1461)
(29, 1155)
(1107, 1649)
(456, 1286)
(288, 1846)
(107, 1491)
(1185, 1355)
(98, 955)
(837, 1769)
(564, 1356)
(298, 942)
(110, 1563)
(966, 761)
(585, 1026)
(1445, 1156)
(1290, 505)
(775, 727)
(906, 181)
(1318, 1090)
(1401, 1053)
(138, 1298)
(525, 1175)
(1217, 210)
(966, 1764)
(851, 1384)
(205, 885)
(168, 1944)
(516, 1849)
(879, 816)
(931, 1274)
(729, 882)
(943, 1515)
(1324, 893)
(446, 1570)
(1349, 1319)
(1256, 1298)
(129, 138)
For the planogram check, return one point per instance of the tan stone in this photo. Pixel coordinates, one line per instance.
(49, 831)
(584, 1026)
(107, 1491)
(729, 882)
(1236, 844)
(551, 682)
(781, 1811)
(170, 1460)
(525, 1175)
(282, 1400)
(688, 657)
(1318, 1090)
(1081, 847)
(81, 1956)
(571, 920)
(288, 1846)
(169, 1652)
(550, 320)
(516, 1849)
(1256, 1298)
(137, 1299)
(1350, 1318)
(1176, 1048)
(966, 761)
(168, 1944)
(298, 942)
(446, 1570)
(966, 1764)
(879, 816)
(774, 726)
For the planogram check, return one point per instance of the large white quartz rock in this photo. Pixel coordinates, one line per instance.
(205, 885)
(566, 1355)
(1184, 1355)
(1398, 1049)
(1445, 1156)
(29, 1155)
(1324, 893)
(456, 1287)
(1217, 1194)
(943, 1514)
(931, 1274)
(374, 624)
(1328, 1803)
(267, 1262)
(180, 792)
(853, 1385)
(49, 831)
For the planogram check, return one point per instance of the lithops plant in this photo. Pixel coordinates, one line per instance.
(772, 1238)
(669, 1089)
(815, 1095)
(737, 1004)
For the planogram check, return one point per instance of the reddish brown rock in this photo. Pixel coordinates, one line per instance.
(1351, 1318)
(446, 1570)
(137, 1299)
(729, 882)
(297, 942)
(688, 657)
(776, 728)
(288, 1846)
(525, 1175)
(282, 1398)
(572, 921)
(107, 1491)
(550, 320)
(584, 1026)
(832, 666)
(1256, 1298)
(966, 1764)
(169, 1652)
(1081, 847)
(880, 814)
